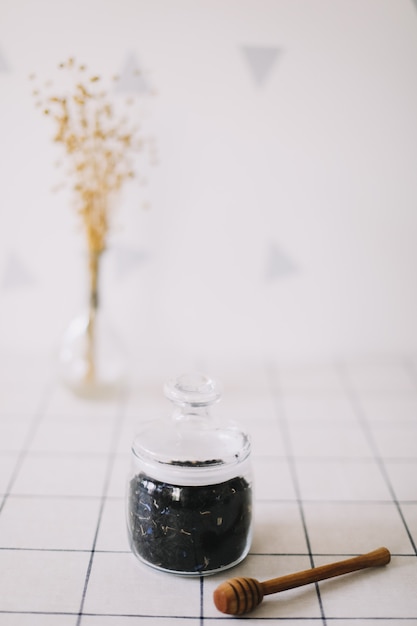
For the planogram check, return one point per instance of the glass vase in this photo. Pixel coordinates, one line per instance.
(92, 358)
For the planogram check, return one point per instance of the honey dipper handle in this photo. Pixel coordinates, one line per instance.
(381, 556)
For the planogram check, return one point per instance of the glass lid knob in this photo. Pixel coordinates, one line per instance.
(193, 389)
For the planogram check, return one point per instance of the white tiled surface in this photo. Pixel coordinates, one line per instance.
(335, 465)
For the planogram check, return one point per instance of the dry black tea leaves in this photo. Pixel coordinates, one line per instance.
(189, 529)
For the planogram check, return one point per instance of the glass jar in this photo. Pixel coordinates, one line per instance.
(189, 498)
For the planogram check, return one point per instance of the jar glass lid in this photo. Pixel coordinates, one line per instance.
(191, 440)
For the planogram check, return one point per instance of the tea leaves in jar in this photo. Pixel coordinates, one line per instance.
(189, 529)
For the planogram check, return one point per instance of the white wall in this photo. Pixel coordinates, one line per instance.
(283, 210)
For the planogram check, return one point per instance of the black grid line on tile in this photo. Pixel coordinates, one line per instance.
(32, 428)
(355, 401)
(315, 553)
(196, 618)
(201, 599)
(282, 421)
(117, 429)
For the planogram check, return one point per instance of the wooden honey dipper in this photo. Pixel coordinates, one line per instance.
(241, 595)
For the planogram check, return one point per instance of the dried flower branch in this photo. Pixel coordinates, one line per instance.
(100, 143)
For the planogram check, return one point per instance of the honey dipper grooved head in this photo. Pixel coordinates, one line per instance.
(238, 595)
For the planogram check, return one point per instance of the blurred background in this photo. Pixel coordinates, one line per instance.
(280, 218)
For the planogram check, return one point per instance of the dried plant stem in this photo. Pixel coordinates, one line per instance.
(93, 267)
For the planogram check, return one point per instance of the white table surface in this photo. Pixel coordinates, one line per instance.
(335, 465)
